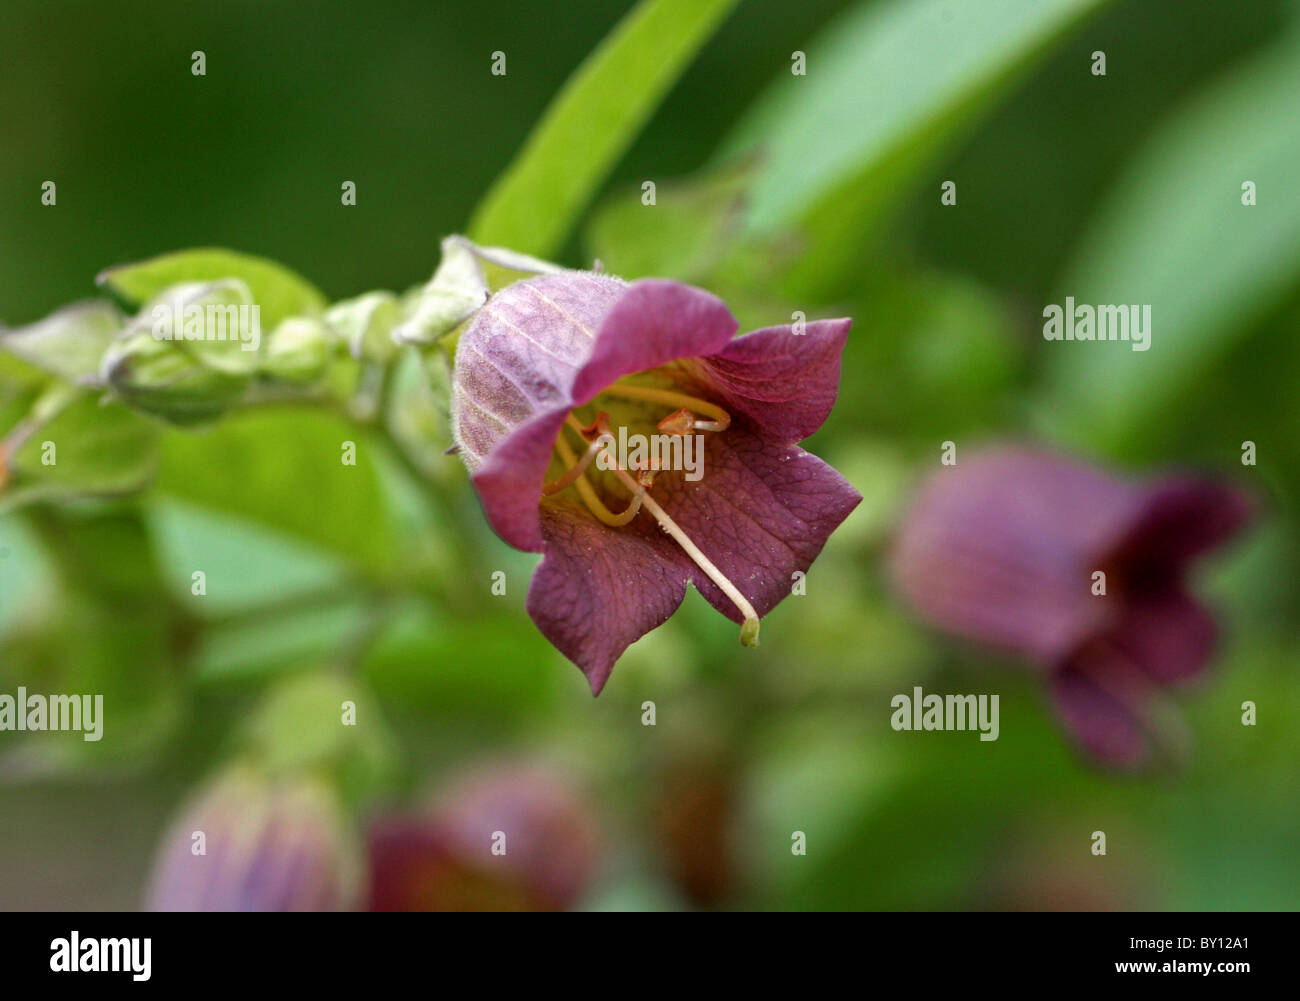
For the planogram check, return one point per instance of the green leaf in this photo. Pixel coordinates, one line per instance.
(250, 649)
(246, 568)
(689, 232)
(278, 291)
(24, 569)
(84, 449)
(931, 356)
(283, 468)
(534, 204)
(887, 86)
(17, 375)
(1175, 235)
(109, 630)
(463, 666)
(70, 342)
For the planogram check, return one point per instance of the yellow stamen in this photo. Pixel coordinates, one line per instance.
(577, 468)
(749, 629)
(588, 493)
(721, 419)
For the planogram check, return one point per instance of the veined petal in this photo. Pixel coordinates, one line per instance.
(762, 510)
(521, 354)
(509, 481)
(784, 383)
(599, 590)
(653, 323)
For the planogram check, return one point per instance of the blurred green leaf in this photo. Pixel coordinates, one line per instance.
(488, 666)
(930, 356)
(691, 228)
(587, 127)
(278, 291)
(70, 342)
(113, 632)
(246, 567)
(253, 648)
(93, 449)
(17, 375)
(283, 467)
(85, 646)
(1175, 235)
(888, 85)
(23, 569)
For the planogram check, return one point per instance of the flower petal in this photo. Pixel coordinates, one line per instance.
(1167, 634)
(1179, 519)
(600, 589)
(1000, 548)
(784, 383)
(521, 354)
(654, 322)
(1102, 723)
(509, 481)
(762, 510)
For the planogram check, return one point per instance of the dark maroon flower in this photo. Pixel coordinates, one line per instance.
(251, 843)
(555, 372)
(506, 837)
(1003, 547)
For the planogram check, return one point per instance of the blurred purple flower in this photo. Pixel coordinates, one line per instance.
(269, 845)
(655, 358)
(504, 837)
(1002, 549)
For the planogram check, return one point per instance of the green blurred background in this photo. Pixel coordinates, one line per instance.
(779, 193)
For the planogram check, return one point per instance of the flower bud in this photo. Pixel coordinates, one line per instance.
(162, 378)
(218, 323)
(516, 836)
(366, 324)
(298, 350)
(253, 843)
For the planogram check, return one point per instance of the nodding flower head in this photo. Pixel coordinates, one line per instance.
(516, 835)
(268, 844)
(1078, 571)
(555, 374)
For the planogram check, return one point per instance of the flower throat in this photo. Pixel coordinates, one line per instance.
(691, 415)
